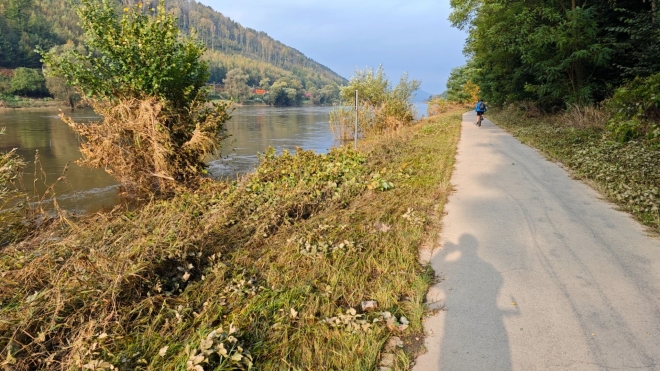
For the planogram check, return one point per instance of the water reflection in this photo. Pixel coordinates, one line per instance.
(84, 189)
(255, 128)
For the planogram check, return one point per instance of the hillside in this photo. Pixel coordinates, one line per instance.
(26, 24)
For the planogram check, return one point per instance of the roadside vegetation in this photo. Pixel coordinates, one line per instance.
(270, 270)
(309, 262)
(148, 84)
(626, 172)
(381, 106)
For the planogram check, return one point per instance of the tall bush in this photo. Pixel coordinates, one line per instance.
(635, 110)
(461, 87)
(383, 107)
(148, 82)
(437, 106)
(28, 82)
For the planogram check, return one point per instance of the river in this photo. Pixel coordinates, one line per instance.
(252, 130)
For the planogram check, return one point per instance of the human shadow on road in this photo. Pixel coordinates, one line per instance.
(475, 337)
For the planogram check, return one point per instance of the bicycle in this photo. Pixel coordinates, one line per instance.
(480, 117)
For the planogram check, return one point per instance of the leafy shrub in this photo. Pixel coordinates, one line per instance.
(135, 56)
(28, 82)
(387, 107)
(635, 110)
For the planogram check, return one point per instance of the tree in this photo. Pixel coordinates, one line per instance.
(372, 86)
(236, 84)
(286, 91)
(28, 82)
(136, 55)
(330, 94)
(149, 85)
(314, 94)
(556, 52)
(460, 85)
(264, 83)
(60, 89)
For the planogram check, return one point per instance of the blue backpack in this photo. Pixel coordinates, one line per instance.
(482, 106)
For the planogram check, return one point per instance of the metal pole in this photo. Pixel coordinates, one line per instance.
(356, 118)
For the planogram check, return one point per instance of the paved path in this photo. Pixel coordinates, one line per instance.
(537, 272)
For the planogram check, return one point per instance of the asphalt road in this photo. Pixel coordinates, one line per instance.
(537, 271)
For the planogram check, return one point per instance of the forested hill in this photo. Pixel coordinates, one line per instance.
(25, 24)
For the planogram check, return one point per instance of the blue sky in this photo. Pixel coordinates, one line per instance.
(411, 36)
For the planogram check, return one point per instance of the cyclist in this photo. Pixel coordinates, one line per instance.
(481, 108)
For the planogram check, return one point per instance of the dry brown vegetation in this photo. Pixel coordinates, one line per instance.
(583, 117)
(372, 120)
(146, 146)
(439, 106)
(11, 167)
(268, 270)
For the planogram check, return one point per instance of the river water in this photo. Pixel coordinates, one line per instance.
(252, 128)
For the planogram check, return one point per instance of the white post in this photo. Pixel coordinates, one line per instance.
(356, 118)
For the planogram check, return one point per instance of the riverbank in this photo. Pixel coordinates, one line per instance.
(310, 262)
(626, 173)
(34, 104)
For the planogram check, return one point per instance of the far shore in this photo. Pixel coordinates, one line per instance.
(54, 105)
(35, 104)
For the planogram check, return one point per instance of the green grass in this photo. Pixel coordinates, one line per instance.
(626, 173)
(270, 270)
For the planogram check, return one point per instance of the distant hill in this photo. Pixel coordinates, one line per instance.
(442, 95)
(25, 24)
(421, 96)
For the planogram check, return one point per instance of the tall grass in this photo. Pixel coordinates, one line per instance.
(11, 168)
(372, 120)
(269, 270)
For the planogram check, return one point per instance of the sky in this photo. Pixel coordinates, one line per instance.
(411, 36)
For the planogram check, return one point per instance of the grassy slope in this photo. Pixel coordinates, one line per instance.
(251, 269)
(627, 174)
